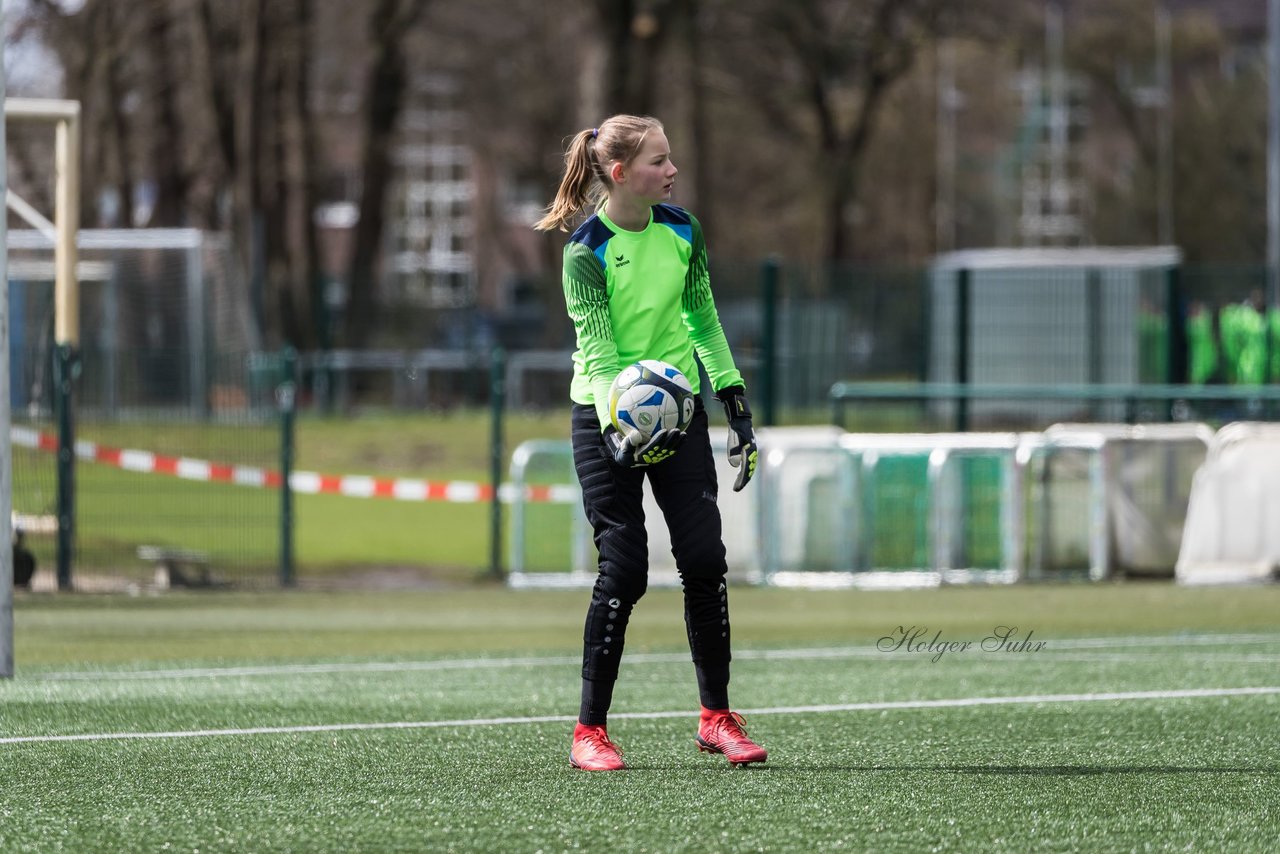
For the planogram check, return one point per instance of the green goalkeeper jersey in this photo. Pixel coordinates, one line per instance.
(636, 295)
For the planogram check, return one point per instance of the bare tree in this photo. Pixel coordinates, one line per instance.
(286, 196)
(389, 24)
(516, 63)
(213, 53)
(633, 32)
(798, 107)
(78, 41)
(118, 62)
(689, 22)
(166, 143)
(303, 178)
(111, 119)
(820, 72)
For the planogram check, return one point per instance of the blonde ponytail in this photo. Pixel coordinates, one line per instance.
(580, 174)
(586, 180)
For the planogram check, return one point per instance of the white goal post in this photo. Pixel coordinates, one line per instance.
(65, 116)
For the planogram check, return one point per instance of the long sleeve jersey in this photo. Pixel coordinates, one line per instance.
(636, 295)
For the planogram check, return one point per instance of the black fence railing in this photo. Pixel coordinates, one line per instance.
(962, 407)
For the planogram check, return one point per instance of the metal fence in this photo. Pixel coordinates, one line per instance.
(1117, 317)
(161, 308)
(166, 397)
(171, 366)
(164, 492)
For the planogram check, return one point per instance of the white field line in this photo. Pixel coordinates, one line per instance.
(335, 667)
(1171, 643)
(893, 705)
(1165, 640)
(1130, 657)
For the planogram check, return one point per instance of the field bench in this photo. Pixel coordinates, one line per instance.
(178, 567)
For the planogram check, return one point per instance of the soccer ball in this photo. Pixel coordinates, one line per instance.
(648, 397)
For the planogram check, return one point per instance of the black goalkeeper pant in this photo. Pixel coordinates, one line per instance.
(685, 489)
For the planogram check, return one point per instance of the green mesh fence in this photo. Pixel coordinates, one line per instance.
(897, 500)
(899, 520)
(165, 371)
(35, 485)
(233, 529)
(981, 512)
(134, 514)
(1041, 324)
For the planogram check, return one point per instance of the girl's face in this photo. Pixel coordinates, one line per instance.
(650, 176)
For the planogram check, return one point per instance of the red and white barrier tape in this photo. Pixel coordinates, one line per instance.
(308, 482)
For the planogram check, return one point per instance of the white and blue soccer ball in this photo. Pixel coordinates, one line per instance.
(648, 397)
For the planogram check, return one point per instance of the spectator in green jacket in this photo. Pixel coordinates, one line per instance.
(1244, 341)
(1273, 322)
(1202, 345)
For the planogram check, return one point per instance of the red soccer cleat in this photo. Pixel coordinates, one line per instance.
(593, 751)
(721, 732)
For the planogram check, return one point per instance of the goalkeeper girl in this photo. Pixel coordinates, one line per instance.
(636, 287)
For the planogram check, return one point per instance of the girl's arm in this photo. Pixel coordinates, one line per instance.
(587, 299)
(698, 308)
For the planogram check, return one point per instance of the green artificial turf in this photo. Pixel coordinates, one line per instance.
(441, 721)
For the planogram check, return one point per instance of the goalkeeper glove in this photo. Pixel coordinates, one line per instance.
(742, 439)
(632, 451)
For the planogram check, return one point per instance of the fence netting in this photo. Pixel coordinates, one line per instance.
(172, 404)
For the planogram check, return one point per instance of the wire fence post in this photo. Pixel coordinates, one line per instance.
(65, 367)
(768, 341)
(963, 307)
(1094, 334)
(286, 399)
(497, 405)
(1176, 363)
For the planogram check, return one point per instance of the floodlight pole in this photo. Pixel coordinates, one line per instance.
(1273, 153)
(6, 449)
(1164, 126)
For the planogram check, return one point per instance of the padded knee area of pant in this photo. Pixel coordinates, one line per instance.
(624, 561)
(702, 563)
(625, 589)
(703, 585)
(604, 634)
(706, 615)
